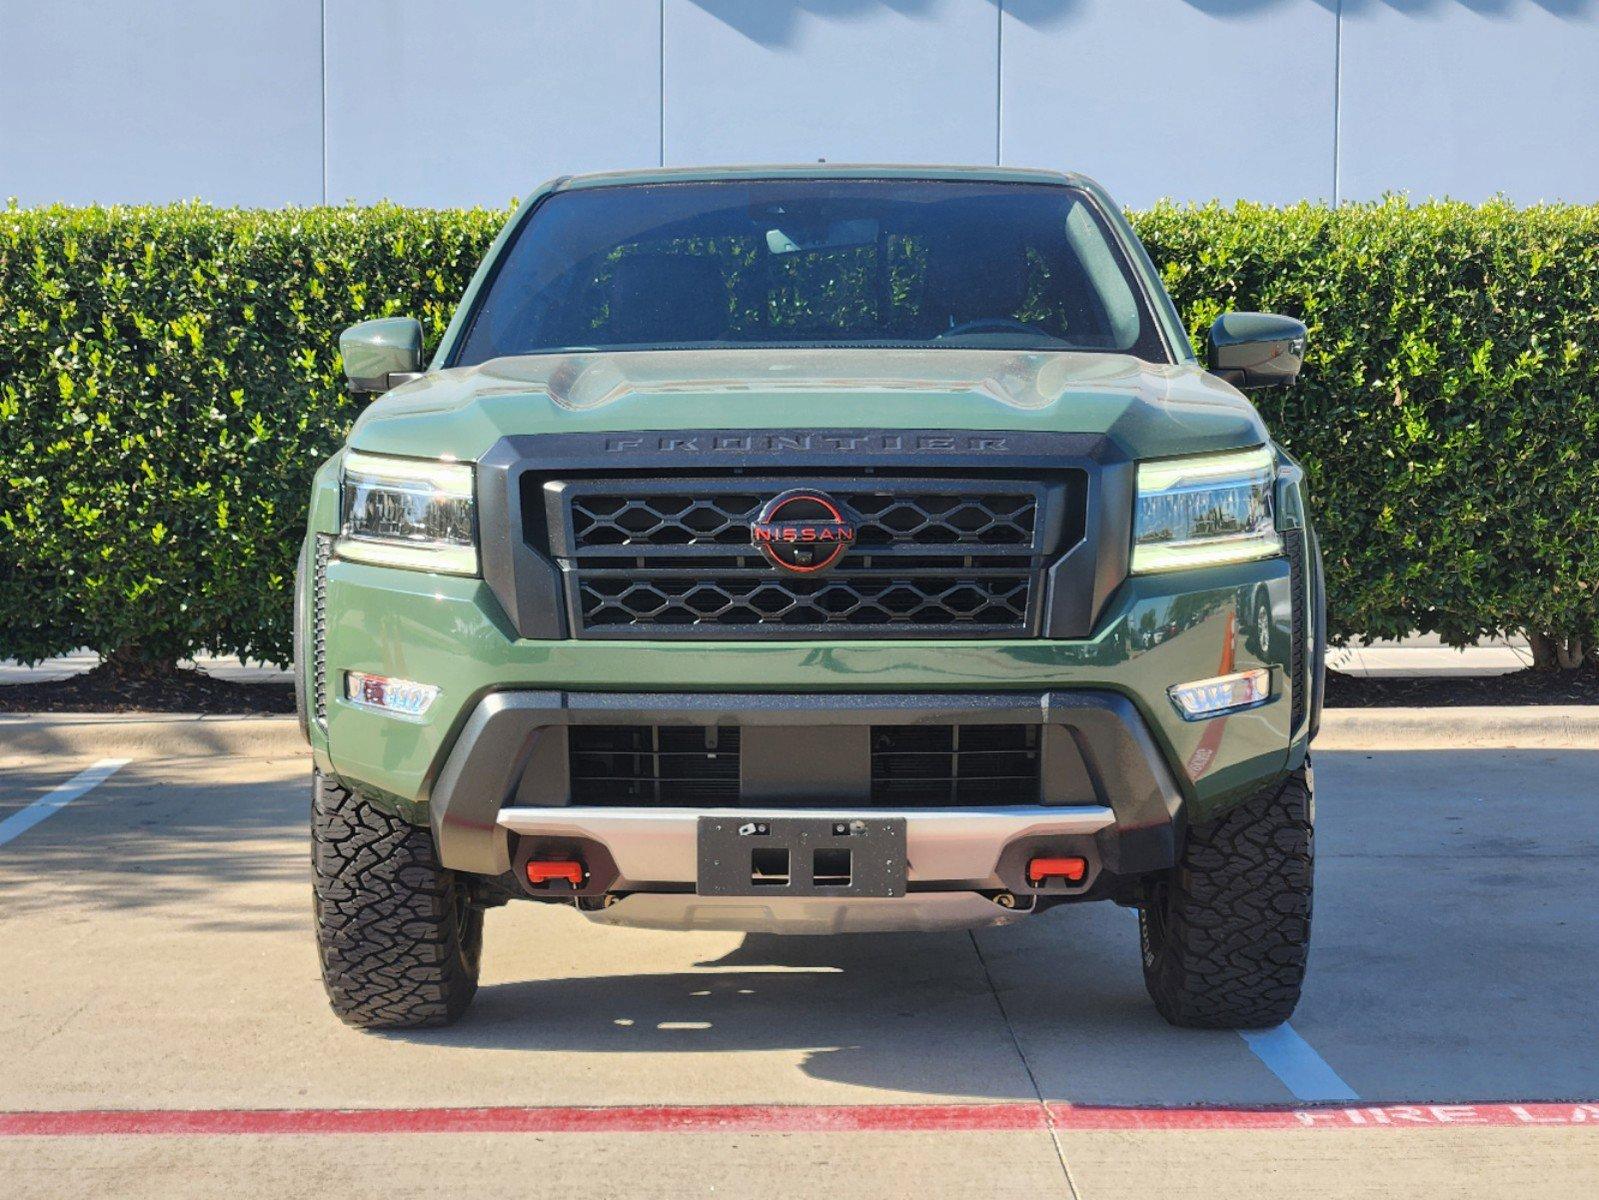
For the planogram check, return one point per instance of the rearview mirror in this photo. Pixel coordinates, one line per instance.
(832, 235)
(1251, 350)
(381, 354)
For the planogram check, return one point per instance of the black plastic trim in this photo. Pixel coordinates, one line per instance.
(1124, 767)
(526, 580)
(1318, 649)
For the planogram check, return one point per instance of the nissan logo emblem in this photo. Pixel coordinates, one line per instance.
(802, 531)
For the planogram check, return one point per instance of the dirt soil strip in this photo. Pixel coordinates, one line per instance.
(779, 1118)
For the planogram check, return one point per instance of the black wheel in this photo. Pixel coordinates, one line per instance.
(399, 937)
(1225, 935)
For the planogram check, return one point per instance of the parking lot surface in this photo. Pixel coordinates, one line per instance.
(158, 961)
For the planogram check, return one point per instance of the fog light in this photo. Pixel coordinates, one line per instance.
(398, 696)
(1222, 694)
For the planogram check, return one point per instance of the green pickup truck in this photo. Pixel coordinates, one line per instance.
(813, 550)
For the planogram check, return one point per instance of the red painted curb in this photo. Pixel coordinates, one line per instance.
(777, 1118)
(740, 1118)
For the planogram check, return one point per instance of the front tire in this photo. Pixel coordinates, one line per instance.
(399, 937)
(1226, 934)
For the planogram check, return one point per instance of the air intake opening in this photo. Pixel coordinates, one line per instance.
(929, 765)
(654, 764)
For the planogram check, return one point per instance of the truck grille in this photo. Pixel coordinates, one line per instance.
(653, 764)
(912, 766)
(610, 600)
(919, 766)
(680, 519)
(931, 557)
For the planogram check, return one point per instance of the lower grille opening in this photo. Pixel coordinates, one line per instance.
(932, 765)
(654, 764)
(912, 766)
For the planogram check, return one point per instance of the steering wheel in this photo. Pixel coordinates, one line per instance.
(989, 325)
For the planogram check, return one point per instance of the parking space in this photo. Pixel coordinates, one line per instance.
(158, 955)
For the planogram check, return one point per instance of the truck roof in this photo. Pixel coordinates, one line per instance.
(818, 171)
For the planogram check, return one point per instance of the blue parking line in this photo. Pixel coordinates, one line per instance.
(1295, 1061)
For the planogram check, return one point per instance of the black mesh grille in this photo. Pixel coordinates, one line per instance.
(1294, 547)
(931, 557)
(765, 598)
(654, 764)
(929, 765)
(681, 519)
(319, 628)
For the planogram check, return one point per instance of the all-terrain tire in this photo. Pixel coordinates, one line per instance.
(399, 938)
(1226, 934)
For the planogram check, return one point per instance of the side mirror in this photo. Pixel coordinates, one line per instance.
(381, 354)
(1251, 350)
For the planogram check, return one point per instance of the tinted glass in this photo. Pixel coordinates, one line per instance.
(812, 262)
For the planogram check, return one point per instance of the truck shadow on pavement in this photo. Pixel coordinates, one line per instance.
(1455, 952)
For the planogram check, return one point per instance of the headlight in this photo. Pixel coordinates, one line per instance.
(1198, 512)
(404, 512)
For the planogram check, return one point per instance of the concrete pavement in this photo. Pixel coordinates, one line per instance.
(158, 956)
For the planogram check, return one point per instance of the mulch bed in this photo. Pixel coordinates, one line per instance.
(102, 690)
(1516, 688)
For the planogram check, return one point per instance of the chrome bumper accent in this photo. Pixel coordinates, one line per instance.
(920, 912)
(659, 845)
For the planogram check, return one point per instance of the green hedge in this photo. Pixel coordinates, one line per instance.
(1448, 414)
(169, 379)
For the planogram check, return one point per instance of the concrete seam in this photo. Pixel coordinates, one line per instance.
(661, 81)
(1032, 1079)
(1338, 102)
(322, 50)
(999, 83)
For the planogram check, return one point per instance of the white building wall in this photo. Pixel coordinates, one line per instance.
(443, 102)
(129, 101)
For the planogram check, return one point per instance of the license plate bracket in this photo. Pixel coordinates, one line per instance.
(850, 857)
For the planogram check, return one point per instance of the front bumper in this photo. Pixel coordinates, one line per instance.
(1157, 630)
(1105, 791)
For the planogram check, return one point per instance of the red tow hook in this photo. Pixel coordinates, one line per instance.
(1072, 870)
(539, 873)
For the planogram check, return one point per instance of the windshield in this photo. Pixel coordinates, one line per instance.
(812, 263)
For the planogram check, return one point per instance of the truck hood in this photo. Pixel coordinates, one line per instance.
(1149, 410)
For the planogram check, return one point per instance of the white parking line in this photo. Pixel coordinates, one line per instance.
(59, 797)
(1295, 1061)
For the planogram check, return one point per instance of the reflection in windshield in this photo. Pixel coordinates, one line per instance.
(812, 262)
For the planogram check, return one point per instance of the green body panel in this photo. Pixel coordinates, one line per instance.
(374, 349)
(1150, 410)
(1155, 631)
(1160, 630)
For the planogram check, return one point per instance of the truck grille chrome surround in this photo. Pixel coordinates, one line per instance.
(929, 557)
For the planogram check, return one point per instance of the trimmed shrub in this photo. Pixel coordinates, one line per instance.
(169, 380)
(1448, 414)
